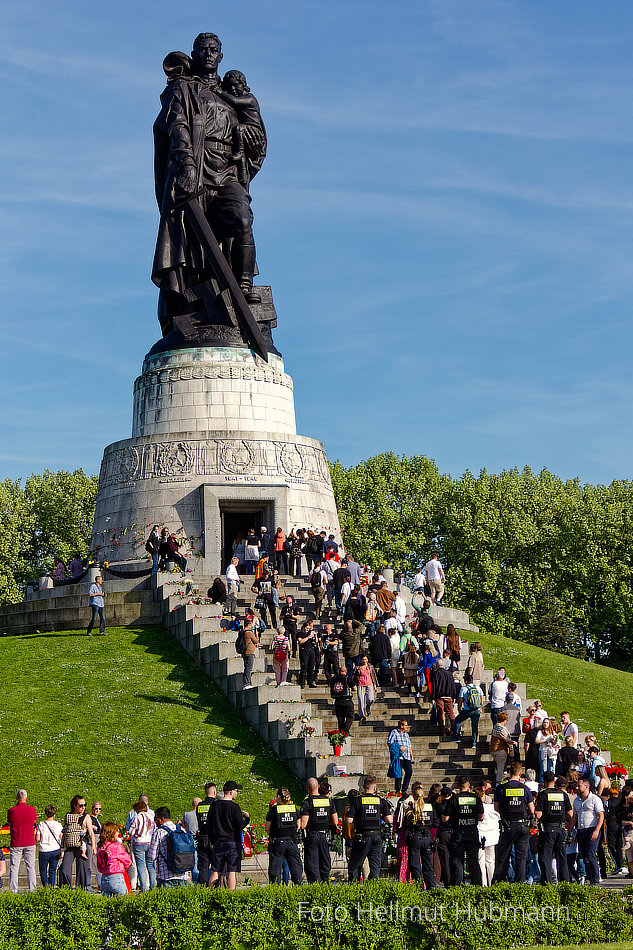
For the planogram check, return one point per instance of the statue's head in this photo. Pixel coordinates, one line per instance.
(207, 51)
(234, 82)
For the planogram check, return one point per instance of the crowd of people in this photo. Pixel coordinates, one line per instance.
(520, 830)
(551, 813)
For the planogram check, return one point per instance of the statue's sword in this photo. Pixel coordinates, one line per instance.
(224, 275)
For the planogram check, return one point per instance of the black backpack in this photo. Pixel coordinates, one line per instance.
(240, 642)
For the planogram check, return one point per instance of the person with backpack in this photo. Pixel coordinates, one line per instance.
(112, 861)
(372, 615)
(313, 550)
(173, 856)
(469, 702)
(318, 585)
(264, 602)
(77, 837)
(281, 651)
(247, 643)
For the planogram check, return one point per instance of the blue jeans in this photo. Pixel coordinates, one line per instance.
(371, 626)
(588, 851)
(494, 715)
(473, 715)
(154, 564)
(402, 783)
(385, 666)
(176, 883)
(350, 663)
(547, 761)
(48, 861)
(100, 613)
(113, 885)
(145, 867)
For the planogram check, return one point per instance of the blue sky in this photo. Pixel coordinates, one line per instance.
(445, 216)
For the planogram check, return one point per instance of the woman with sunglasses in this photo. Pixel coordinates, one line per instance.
(78, 838)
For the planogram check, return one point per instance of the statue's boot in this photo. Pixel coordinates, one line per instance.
(244, 258)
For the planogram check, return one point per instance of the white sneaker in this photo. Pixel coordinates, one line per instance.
(417, 695)
(622, 872)
(581, 879)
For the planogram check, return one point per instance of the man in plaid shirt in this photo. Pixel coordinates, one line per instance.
(400, 737)
(158, 852)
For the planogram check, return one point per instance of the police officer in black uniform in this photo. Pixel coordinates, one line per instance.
(552, 809)
(514, 803)
(463, 810)
(318, 815)
(204, 848)
(341, 693)
(418, 820)
(282, 828)
(366, 812)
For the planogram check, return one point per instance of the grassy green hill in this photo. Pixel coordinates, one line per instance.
(112, 717)
(598, 697)
(115, 716)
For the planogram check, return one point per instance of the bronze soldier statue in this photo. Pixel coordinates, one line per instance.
(209, 143)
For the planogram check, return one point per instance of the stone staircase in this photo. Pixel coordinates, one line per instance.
(201, 631)
(275, 714)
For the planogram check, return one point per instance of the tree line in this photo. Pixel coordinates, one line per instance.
(529, 556)
(49, 516)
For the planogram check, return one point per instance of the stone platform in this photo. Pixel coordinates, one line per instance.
(213, 441)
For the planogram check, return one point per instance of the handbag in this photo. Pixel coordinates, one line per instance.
(433, 717)
(259, 602)
(57, 853)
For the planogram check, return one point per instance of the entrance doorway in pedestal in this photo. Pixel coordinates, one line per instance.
(237, 519)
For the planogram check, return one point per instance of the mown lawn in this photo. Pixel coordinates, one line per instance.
(598, 697)
(112, 717)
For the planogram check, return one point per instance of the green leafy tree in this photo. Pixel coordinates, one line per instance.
(389, 509)
(51, 516)
(15, 538)
(529, 556)
(63, 505)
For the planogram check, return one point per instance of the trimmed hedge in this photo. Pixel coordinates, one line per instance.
(382, 915)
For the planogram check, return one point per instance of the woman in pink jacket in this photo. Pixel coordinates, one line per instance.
(112, 861)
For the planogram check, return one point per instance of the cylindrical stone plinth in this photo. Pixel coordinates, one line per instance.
(219, 387)
(214, 438)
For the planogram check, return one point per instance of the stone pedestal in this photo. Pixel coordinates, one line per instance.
(213, 442)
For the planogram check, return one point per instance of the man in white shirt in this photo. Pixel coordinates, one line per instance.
(401, 610)
(588, 820)
(418, 582)
(435, 578)
(96, 595)
(233, 582)
(569, 728)
(346, 590)
(497, 694)
(392, 623)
